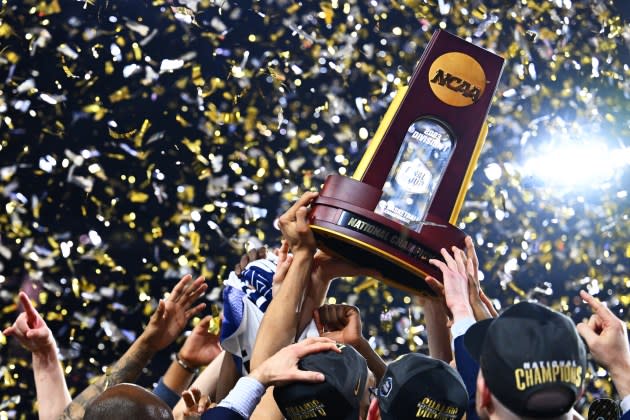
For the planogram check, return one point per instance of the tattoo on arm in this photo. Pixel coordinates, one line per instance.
(126, 369)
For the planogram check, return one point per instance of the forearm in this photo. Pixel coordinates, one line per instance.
(126, 369)
(177, 378)
(50, 385)
(279, 325)
(315, 296)
(208, 381)
(620, 374)
(374, 362)
(438, 333)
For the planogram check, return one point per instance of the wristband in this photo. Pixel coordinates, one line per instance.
(184, 365)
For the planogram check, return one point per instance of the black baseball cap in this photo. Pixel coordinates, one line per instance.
(338, 397)
(532, 359)
(416, 386)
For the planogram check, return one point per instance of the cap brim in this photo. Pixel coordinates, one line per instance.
(474, 337)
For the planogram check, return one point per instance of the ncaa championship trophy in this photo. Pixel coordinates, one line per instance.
(400, 207)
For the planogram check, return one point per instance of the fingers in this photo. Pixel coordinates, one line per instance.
(303, 201)
(435, 285)
(31, 314)
(599, 308)
(193, 292)
(160, 313)
(486, 301)
(318, 347)
(595, 323)
(196, 393)
(315, 345)
(450, 262)
(204, 402)
(194, 311)
(189, 399)
(9, 331)
(283, 252)
(471, 274)
(471, 253)
(307, 376)
(439, 264)
(204, 324)
(38, 333)
(460, 259)
(329, 318)
(587, 334)
(290, 215)
(282, 268)
(179, 287)
(300, 216)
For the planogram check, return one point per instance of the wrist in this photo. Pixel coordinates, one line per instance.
(259, 376)
(45, 355)
(303, 251)
(145, 345)
(185, 364)
(620, 376)
(461, 311)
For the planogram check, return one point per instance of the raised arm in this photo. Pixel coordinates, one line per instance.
(342, 323)
(164, 327)
(280, 369)
(607, 339)
(280, 323)
(200, 349)
(206, 383)
(31, 331)
(326, 267)
(457, 298)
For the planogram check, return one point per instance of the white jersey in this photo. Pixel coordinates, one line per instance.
(245, 301)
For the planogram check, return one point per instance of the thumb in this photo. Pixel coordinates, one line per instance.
(9, 331)
(587, 334)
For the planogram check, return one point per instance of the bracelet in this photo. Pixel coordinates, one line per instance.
(184, 365)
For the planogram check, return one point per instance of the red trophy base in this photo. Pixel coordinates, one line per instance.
(344, 224)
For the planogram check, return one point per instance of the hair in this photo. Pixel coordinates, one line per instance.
(127, 401)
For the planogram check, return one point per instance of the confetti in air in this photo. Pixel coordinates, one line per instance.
(140, 140)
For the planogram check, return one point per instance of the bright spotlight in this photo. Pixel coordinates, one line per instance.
(577, 164)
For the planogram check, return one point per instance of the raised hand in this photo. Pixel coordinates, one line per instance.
(251, 255)
(282, 268)
(327, 267)
(282, 368)
(196, 404)
(607, 339)
(31, 330)
(173, 314)
(294, 225)
(201, 346)
(341, 323)
(456, 292)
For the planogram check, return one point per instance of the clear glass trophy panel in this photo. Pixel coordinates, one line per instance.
(416, 173)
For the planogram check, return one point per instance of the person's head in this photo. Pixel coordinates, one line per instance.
(420, 387)
(127, 401)
(343, 394)
(532, 363)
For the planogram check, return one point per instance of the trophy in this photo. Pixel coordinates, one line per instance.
(401, 205)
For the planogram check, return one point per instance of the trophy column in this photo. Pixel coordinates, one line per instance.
(401, 206)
